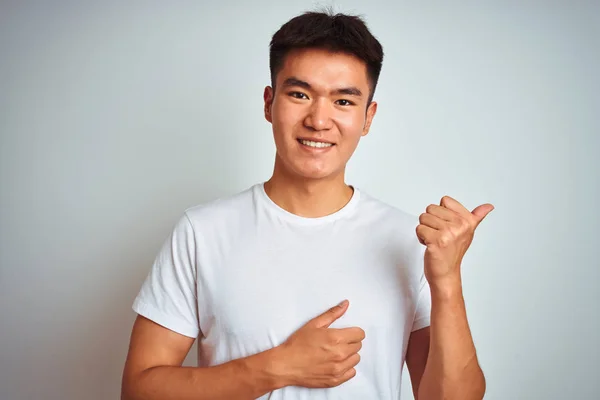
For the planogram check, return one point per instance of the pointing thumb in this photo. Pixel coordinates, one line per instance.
(482, 211)
(329, 316)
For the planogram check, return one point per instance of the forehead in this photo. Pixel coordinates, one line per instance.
(323, 68)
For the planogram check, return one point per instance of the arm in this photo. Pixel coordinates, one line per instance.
(441, 359)
(313, 356)
(153, 370)
(452, 370)
(416, 357)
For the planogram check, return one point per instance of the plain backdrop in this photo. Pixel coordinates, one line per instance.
(116, 116)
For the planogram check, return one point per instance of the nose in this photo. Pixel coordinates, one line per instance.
(319, 116)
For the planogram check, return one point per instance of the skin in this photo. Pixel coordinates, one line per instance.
(322, 96)
(451, 369)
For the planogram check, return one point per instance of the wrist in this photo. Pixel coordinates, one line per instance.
(446, 289)
(277, 367)
(267, 369)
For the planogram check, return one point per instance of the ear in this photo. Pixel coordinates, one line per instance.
(268, 99)
(371, 111)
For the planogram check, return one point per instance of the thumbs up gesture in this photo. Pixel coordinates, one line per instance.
(447, 230)
(317, 356)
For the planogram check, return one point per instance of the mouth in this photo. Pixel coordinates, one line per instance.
(315, 144)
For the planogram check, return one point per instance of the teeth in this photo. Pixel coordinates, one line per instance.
(315, 144)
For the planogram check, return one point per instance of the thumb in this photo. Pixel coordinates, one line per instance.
(329, 316)
(481, 212)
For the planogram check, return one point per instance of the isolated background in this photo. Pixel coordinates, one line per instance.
(116, 116)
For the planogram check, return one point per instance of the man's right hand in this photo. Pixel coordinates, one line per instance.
(317, 356)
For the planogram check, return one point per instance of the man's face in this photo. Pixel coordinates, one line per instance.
(318, 112)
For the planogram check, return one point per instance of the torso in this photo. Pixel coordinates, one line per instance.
(268, 273)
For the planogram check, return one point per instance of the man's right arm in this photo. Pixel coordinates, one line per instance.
(314, 357)
(153, 370)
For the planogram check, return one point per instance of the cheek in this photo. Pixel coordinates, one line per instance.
(284, 119)
(351, 126)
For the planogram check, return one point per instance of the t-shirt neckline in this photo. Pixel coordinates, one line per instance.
(291, 217)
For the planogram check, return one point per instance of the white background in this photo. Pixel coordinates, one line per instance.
(116, 117)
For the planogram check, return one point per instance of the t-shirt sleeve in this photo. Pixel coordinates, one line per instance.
(168, 295)
(423, 310)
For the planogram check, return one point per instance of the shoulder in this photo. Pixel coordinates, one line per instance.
(220, 212)
(222, 205)
(395, 226)
(388, 215)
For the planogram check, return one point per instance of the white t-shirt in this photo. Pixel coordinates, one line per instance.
(242, 274)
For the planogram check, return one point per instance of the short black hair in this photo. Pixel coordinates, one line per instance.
(334, 32)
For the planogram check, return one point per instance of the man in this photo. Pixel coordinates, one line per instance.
(304, 287)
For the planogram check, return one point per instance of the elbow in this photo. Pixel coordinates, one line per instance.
(473, 389)
(465, 387)
(479, 386)
(127, 391)
(472, 386)
(131, 386)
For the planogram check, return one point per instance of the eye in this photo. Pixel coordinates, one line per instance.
(298, 95)
(344, 102)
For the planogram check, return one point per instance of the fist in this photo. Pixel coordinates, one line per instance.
(316, 356)
(447, 231)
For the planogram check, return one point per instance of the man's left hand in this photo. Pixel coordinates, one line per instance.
(447, 230)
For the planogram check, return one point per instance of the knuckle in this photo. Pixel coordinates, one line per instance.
(336, 370)
(457, 232)
(339, 356)
(331, 382)
(443, 239)
(464, 225)
(334, 381)
(360, 333)
(430, 208)
(336, 339)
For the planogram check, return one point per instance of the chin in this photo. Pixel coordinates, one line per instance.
(309, 169)
(316, 174)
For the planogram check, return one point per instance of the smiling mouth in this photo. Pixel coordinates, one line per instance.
(316, 145)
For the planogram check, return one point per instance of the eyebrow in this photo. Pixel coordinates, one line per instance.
(349, 91)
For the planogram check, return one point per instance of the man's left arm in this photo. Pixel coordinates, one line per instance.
(441, 359)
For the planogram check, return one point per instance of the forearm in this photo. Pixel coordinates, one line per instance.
(452, 370)
(245, 378)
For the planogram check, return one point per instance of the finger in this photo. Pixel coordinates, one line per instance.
(342, 352)
(481, 212)
(349, 363)
(345, 377)
(329, 316)
(347, 335)
(452, 204)
(432, 221)
(441, 212)
(426, 234)
(351, 348)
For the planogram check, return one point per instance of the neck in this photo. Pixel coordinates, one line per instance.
(310, 198)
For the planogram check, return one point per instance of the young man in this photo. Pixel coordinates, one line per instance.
(304, 287)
